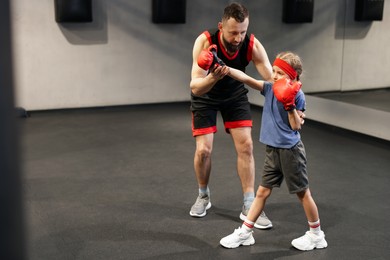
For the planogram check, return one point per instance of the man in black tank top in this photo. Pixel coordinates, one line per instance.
(239, 61)
(213, 91)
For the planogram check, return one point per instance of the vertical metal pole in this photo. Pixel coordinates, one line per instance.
(11, 209)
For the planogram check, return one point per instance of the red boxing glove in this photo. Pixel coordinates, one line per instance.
(205, 59)
(216, 60)
(208, 58)
(285, 91)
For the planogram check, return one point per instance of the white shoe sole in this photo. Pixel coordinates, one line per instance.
(203, 214)
(235, 245)
(319, 246)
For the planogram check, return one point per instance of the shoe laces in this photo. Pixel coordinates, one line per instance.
(200, 199)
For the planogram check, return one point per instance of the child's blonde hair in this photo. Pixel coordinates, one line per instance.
(293, 59)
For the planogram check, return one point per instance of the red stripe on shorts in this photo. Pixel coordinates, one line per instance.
(204, 131)
(237, 124)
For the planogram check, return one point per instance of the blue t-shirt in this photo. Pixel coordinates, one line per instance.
(275, 127)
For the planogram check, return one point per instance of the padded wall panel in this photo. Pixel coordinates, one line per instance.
(369, 10)
(169, 11)
(298, 11)
(73, 11)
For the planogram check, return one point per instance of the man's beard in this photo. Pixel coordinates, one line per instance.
(230, 47)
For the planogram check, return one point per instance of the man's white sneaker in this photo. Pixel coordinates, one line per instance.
(310, 241)
(237, 238)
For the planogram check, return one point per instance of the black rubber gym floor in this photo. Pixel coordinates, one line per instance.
(118, 183)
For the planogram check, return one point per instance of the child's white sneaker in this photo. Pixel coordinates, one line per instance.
(237, 238)
(310, 241)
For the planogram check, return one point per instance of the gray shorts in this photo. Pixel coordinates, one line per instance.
(289, 164)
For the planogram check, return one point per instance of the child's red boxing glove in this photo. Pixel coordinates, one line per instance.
(285, 91)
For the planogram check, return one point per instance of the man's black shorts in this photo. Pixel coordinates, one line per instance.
(235, 113)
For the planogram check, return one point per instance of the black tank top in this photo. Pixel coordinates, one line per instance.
(228, 88)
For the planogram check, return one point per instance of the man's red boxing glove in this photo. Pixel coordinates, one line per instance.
(205, 59)
(208, 58)
(216, 60)
(285, 91)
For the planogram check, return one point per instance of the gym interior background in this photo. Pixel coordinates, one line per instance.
(124, 58)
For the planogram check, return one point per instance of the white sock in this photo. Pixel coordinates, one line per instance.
(247, 225)
(315, 227)
(248, 199)
(204, 191)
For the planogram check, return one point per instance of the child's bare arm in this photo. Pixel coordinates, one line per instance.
(244, 78)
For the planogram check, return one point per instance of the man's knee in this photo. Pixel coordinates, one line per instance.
(203, 152)
(246, 147)
(243, 141)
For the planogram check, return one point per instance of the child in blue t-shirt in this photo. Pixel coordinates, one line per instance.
(285, 157)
